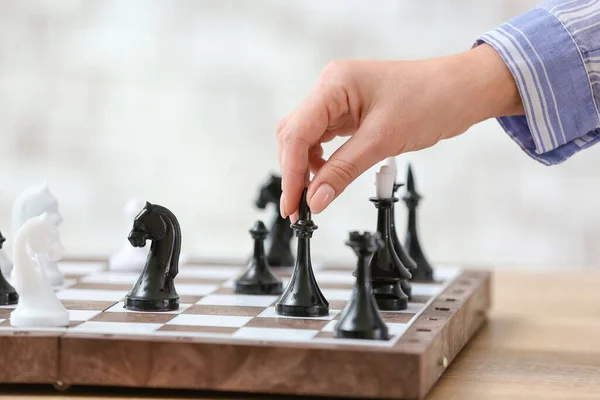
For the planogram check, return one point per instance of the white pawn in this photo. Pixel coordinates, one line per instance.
(384, 183)
(130, 258)
(33, 202)
(38, 304)
(391, 163)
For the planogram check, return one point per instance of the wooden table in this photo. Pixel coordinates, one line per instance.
(541, 342)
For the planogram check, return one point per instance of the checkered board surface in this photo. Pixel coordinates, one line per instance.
(209, 308)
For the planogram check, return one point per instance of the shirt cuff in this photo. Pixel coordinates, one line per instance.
(561, 117)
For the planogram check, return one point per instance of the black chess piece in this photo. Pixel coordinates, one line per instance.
(279, 252)
(424, 271)
(302, 297)
(405, 259)
(386, 269)
(258, 278)
(361, 319)
(155, 288)
(8, 294)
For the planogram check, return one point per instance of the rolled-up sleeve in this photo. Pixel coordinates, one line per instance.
(553, 53)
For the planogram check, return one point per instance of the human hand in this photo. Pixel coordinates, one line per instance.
(387, 108)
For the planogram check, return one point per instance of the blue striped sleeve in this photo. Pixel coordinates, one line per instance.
(553, 53)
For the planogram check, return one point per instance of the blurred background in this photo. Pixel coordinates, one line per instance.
(177, 103)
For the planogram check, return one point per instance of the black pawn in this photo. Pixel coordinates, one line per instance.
(405, 259)
(360, 319)
(258, 278)
(386, 269)
(8, 294)
(302, 297)
(423, 272)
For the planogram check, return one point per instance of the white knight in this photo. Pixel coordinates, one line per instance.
(38, 304)
(33, 202)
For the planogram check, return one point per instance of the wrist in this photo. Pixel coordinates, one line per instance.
(481, 85)
(491, 89)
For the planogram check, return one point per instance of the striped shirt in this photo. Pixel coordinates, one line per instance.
(553, 53)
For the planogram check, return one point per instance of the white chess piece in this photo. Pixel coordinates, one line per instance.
(391, 163)
(38, 304)
(130, 258)
(384, 182)
(33, 202)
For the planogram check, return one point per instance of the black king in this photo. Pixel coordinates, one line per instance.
(302, 297)
(423, 272)
(387, 271)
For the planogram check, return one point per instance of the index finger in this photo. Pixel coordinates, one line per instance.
(303, 129)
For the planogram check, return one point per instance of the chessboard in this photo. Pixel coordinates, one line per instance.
(222, 341)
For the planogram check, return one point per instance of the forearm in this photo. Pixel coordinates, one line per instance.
(550, 52)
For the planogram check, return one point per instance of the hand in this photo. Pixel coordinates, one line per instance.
(387, 108)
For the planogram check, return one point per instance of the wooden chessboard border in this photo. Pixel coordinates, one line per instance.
(413, 364)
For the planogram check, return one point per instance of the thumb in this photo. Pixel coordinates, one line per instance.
(363, 150)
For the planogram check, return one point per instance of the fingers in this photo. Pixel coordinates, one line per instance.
(301, 130)
(315, 158)
(364, 149)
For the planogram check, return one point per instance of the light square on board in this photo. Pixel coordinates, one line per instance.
(275, 334)
(287, 323)
(117, 277)
(395, 329)
(87, 304)
(209, 320)
(337, 294)
(341, 277)
(194, 289)
(196, 330)
(269, 312)
(119, 308)
(90, 294)
(238, 300)
(115, 328)
(426, 289)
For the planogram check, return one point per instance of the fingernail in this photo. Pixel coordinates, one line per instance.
(322, 197)
(294, 217)
(282, 206)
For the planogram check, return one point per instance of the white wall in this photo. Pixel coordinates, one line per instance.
(177, 103)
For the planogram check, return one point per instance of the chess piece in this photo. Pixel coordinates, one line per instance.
(130, 258)
(361, 319)
(423, 272)
(33, 202)
(302, 297)
(8, 294)
(38, 304)
(5, 263)
(386, 269)
(258, 278)
(405, 259)
(155, 288)
(278, 243)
